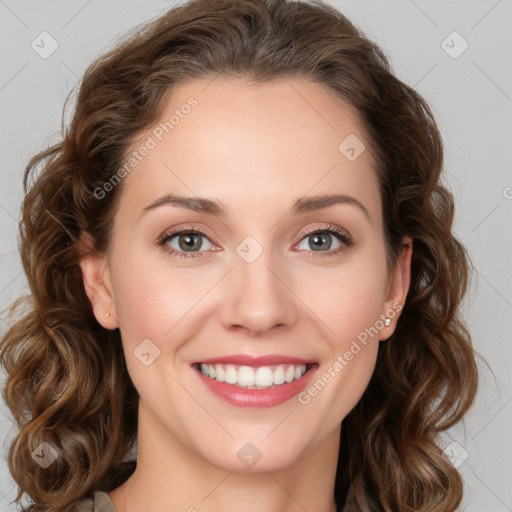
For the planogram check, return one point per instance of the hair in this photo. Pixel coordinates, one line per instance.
(67, 382)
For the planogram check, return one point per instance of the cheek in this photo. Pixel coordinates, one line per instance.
(349, 298)
(349, 302)
(161, 304)
(354, 318)
(152, 299)
(153, 306)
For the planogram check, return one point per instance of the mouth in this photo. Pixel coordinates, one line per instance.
(255, 382)
(249, 377)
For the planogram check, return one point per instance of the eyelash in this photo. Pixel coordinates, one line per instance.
(342, 236)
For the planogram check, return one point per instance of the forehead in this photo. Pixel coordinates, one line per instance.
(253, 146)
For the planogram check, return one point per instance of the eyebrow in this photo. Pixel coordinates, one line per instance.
(216, 208)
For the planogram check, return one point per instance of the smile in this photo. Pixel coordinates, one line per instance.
(256, 382)
(262, 377)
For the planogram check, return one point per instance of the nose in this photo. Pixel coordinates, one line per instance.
(257, 298)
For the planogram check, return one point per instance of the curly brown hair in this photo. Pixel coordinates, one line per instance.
(68, 384)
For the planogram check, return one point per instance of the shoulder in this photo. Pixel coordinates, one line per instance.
(99, 503)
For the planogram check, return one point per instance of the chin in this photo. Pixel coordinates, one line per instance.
(256, 456)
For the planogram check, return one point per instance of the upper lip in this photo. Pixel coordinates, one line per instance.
(255, 361)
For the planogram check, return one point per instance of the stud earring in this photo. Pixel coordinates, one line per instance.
(387, 322)
(107, 314)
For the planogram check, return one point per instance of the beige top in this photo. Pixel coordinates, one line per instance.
(100, 503)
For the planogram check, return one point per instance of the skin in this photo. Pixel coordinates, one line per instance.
(256, 148)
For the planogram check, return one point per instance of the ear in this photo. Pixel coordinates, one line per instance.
(97, 283)
(398, 287)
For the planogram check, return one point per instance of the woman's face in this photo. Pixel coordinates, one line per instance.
(282, 279)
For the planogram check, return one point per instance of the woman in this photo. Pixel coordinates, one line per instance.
(242, 268)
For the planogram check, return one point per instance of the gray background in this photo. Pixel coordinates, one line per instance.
(470, 93)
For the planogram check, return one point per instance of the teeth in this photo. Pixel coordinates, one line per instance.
(289, 374)
(246, 376)
(264, 377)
(219, 373)
(254, 378)
(230, 374)
(279, 375)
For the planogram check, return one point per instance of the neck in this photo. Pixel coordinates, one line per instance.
(169, 474)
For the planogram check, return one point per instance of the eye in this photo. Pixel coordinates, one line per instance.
(322, 238)
(186, 243)
(190, 242)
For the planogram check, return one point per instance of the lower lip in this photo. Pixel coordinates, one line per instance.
(257, 398)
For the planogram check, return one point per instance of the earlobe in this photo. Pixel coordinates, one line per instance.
(400, 280)
(98, 284)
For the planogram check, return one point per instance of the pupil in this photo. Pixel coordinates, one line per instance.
(320, 238)
(189, 242)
